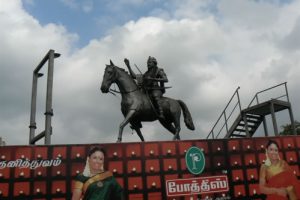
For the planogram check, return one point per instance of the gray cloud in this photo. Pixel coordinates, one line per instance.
(291, 41)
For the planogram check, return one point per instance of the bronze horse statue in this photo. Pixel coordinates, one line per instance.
(136, 105)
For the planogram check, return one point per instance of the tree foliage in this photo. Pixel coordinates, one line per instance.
(287, 129)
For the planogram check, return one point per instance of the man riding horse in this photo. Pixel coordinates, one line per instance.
(152, 82)
(135, 104)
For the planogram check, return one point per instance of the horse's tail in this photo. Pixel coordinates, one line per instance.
(187, 116)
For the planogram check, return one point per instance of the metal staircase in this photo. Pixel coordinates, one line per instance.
(249, 119)
(238, 128)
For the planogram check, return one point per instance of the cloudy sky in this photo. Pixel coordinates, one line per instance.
(207, 48)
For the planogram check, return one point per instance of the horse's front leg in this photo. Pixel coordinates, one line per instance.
(124, 123)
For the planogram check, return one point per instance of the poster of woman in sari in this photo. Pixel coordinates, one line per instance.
(276, 178)
(96, 183)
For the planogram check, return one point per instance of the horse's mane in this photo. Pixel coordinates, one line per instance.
(123, 70)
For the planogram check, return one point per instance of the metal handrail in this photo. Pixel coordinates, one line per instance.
(228, 119)
(256, 95)
(223, 114)
(211, 133)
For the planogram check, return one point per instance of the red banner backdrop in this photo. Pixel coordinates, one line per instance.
(143, 169)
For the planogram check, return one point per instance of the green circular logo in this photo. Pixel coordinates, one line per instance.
(195, 161)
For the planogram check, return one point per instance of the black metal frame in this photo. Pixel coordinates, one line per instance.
(50, 56)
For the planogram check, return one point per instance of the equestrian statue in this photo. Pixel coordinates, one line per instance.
(143, 100)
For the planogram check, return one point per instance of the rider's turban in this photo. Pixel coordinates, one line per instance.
(152, 59)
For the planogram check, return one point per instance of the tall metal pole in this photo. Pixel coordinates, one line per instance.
(50, 56)
(32, 125)
(49, 110)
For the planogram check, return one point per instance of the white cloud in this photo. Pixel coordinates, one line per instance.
(193, 9)
(24, 42)
(249, 14)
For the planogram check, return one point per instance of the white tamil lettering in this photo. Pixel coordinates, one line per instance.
(187, 187)
(205, 186)
(171, 187)
(21, 163)
(2, 164)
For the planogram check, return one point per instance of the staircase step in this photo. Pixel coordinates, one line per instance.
(250, 116)
(249, 125)
(241, 130)
(237, 135)
(253, 120)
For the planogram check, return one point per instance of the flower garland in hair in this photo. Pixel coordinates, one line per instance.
(87, 171)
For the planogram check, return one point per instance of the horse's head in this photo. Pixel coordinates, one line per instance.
(109, 77)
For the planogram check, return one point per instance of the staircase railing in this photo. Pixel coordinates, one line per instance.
(215, 132)
(212, 134)
(284, 95)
